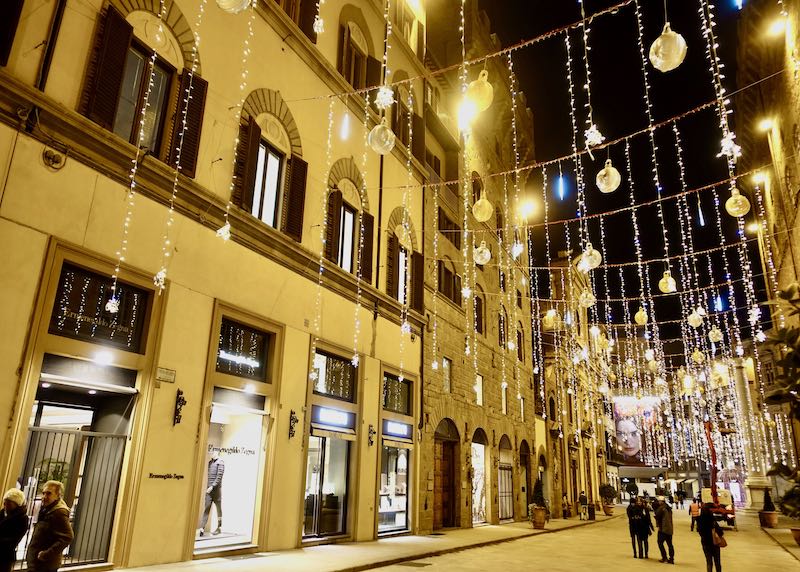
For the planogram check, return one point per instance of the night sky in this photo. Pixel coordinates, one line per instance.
(617, 89)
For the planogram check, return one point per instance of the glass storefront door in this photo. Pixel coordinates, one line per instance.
(478, 483)
(325, 511)
(394, 490)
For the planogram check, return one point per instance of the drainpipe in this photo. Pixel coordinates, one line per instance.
(50, 44)
(380, 225)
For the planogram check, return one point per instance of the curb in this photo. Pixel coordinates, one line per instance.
(779, 543)
(432, 553)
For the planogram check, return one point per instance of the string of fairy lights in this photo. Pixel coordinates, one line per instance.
(618, 359)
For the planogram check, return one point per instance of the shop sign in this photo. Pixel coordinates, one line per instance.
(165, 375)
(165, 476)
(396, 429)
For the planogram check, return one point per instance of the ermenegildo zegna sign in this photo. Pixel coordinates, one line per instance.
(80, 312)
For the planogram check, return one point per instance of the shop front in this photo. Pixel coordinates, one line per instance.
(479, 484)
(505, 480)
(397, 443)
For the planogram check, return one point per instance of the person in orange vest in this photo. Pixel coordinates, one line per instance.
(694, 511)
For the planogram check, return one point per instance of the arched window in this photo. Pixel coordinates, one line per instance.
(405, 265)
(401, 116)
(356, 64)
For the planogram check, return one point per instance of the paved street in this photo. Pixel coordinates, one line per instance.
(606, 546)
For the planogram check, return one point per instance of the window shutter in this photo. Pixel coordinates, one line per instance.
(368, 222)
(479, 314)
(417, 281)
(194, 123)
(373, 78)
(392, 265)
(9, 19)
(457, 289)
(418, 142)
(245, 166)
(308, 11)
(344, 42)
(332, 225)
(294, 198)
(106, 69)
(420, 41)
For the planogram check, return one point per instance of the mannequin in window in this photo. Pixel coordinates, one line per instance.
(216, 468)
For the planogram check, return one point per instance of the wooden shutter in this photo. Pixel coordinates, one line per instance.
(244, 169)
(420, 41)
(332, 226)
(374, 79)
(457, 289)
(294, 198)
(417, 281)
(106, 69)
(9, 19)
(392, 265)
(368, 224)
(194, 105)
(418, 142)
(479, 314)
(308, 11)
(344, 44)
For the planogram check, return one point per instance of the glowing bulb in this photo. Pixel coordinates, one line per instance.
(482, 210)
(595, 331)
(668, 51)
(649, 354)
(517, 249)
(695, 320)
(715, 335)
(737, 205)
(590, 258)
(526, 209)
(481, 255)
(467, 112)
(667, 284)
(753, 227)
(480, 92)
(759, 177)
(640, 317)
(777, 27)
(608, 179)
(766, 124)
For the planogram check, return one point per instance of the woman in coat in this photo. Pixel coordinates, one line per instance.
(706, 525)
(13, 526)
(645, 528)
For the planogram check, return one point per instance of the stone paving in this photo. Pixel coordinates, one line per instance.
(565, 545)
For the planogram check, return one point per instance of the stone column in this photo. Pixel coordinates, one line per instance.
(756, 482)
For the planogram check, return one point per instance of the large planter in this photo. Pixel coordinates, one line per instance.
(796, 534)
(608, 509)
(538, 516)
(768, 518)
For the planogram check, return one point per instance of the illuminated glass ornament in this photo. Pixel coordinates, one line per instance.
(482, 210)
(649, 354)
(653, 366)
(511, 345)
(384, 99)
(694, 319)
(160, 279)
(668, 51)
(608, 179)
(586, 299)
(112, 306)
(381, 138)
(550, 318)
(698, 357)
(640, 317)
(667, 284)
(233, 6)
(737, 204)
(629, 370)
(480, 92)
(481, 255)
(590, 258)
(715, 335)
(612, 377)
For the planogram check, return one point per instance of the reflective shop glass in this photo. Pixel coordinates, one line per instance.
(393, 494)
(325, 502)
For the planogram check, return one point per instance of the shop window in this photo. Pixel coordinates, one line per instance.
(397, 394)
(232, 470)
(243, 351)
(325, 505)
(479, 390)
(118, 77)
(394, 490)
(79, 311)
(478, 457)
(334, 377)
(447, 372)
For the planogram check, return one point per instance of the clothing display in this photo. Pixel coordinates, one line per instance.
(216, 469)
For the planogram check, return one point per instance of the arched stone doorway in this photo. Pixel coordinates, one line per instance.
(525, 472)
(505, 480)
(445, 474)
(479, 481)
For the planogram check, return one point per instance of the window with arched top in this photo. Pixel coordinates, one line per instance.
(356, 64)
(401, 116)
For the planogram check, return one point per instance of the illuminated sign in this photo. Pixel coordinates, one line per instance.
(396, 429)
(236, 358)
(333, 417)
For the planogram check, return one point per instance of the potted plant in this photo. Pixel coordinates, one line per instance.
(786, 391)
(537, 511)
(768, 517)
(608, 494)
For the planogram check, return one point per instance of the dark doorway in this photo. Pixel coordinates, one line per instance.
(444, 475)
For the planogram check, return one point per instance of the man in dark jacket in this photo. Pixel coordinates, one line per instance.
(664, 524)
(635, 517)
(584, 502)
(13, 525)
(52, 532)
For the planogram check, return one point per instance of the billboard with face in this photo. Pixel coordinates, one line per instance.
(634, 417)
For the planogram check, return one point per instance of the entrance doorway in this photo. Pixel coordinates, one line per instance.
(445, 452)
(326, 487)
(505, 480)
(479, 484)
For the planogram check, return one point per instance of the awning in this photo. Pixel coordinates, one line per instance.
(399, 442)
(319, 430)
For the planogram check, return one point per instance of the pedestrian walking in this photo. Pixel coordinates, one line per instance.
(584, 502)
(710, 535)
(664, 524)
(52, 532)
(13, 525)
(645, 529)
(635, 516)
(694, 511)
(564, 506)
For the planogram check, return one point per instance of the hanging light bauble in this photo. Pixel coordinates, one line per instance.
(629, 369)
(737, 204)
(586, 299)
(482, 210)
(698, 357)
(517, 249)
(612, 377)
(649, 354)
(715, 335)
(591, 258)
(481, 92)
(653, 366)
(550, 318)
(668, 51)
(608, 179)
(233, 6)
(688, 382)
(695, 320)
(481, 255)
(603, 388)
(667, 284)
(381, 138)
(640, 317)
